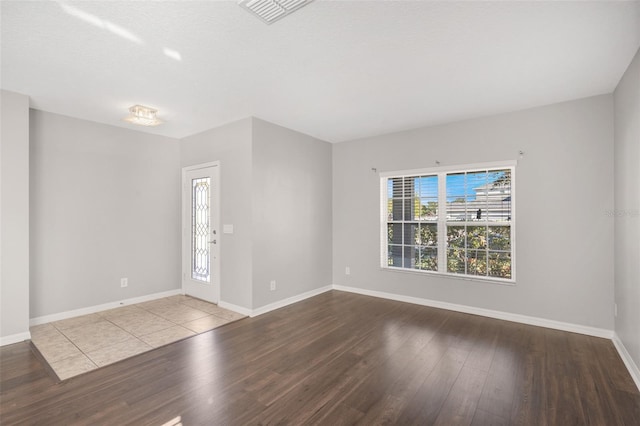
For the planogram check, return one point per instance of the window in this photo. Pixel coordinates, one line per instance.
(412, 222)
(200, 214)
(450, 221)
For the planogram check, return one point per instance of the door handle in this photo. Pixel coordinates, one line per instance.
(212, 242)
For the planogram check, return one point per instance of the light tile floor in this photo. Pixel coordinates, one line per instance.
(80, 344)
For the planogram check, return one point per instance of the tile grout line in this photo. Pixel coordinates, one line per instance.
(101, 347)
(74, 344)
(70, 356)
(129, 334)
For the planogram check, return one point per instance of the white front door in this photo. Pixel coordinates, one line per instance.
(200, 231)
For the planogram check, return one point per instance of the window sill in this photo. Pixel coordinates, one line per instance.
(510, 283)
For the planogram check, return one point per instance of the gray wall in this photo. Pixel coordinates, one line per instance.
(105, 204)
(564, 188)
(291, 212)
(14, 214)
(627, 208)
(276, 192)
(231, 145)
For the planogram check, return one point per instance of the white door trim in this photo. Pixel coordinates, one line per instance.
(186, 225)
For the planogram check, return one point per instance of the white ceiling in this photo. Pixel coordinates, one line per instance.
(337, 70)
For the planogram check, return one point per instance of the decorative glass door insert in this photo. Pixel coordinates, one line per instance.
(201, 229)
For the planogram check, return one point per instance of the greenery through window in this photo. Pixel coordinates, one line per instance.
(457, 222)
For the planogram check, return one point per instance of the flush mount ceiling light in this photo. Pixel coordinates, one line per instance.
(269, 11)
(143, 116)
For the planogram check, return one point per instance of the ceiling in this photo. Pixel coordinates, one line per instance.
(336, 70)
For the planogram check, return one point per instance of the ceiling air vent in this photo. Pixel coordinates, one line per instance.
(269, 11)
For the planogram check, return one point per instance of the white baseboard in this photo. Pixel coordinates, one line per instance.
(14, 338)
(99, 308)
(226, 305)
(540, 322)
(288, 301)
(628, 361)
(239, 309)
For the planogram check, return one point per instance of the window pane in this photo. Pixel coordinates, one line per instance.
(396, 195)
(413, 206)
(428, 209)
(411, 234)
(409, 209)
(428, 197)
(499, 238)
(456, 236)
(409, 257)
(476, 195)
(394, 233)
(428, 258)
(416, 257)
(476, 262)
(479, 196)
(456, 260)
(394, 256)
(395, 206)
(499, 195)
(427, 187)
(500, 265)
(428, 234)
(396, 187)
(456, 202)
(407, 191)
(477, 237)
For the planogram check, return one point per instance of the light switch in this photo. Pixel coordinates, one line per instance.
(227, 229)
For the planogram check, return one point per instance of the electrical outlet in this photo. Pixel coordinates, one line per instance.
(272, 285)
(124, 282)
(347, 271)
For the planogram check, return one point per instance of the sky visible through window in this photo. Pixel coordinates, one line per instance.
(455, 185)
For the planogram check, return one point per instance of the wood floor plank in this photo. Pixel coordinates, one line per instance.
(460, 406)
(397, 396)
(503, 378)
(530, 404)
(425, 405)
(339, 358)
(484, 418)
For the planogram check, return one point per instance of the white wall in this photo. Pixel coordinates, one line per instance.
(231, 145)
(627, 209)
(564, 188)
(291, 213)
(14, 217)
(105, 204)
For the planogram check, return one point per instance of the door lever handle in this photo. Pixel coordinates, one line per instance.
(212, 242)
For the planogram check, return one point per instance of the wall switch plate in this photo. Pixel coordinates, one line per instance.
(227, 229)
(272, 285)
(347, 271)
(124, 282)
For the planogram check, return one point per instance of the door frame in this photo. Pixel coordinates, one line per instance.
(185, 210)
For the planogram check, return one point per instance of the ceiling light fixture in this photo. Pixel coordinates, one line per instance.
(143, 116)
(269, 11)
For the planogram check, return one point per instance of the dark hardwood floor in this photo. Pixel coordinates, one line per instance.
(339, 358)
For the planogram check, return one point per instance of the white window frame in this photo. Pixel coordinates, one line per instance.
(442, 173)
